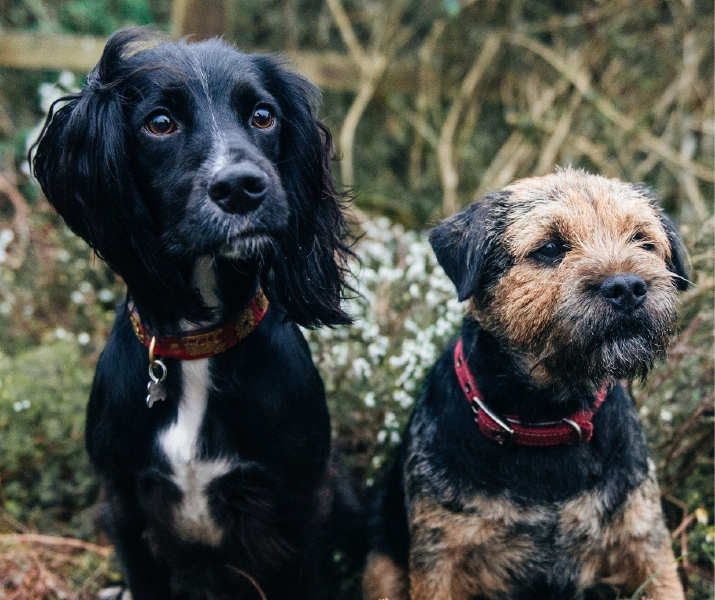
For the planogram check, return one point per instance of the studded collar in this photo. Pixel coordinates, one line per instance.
(204, 343)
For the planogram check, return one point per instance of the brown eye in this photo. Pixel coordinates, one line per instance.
(551, 252)
(161, 124)
(262, 118)
(643, 242)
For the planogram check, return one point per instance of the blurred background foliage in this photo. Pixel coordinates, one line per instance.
(432, 104)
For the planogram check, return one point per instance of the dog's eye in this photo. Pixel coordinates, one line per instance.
(161, 124)
(262, 118)
(643, 242)
(550, 251)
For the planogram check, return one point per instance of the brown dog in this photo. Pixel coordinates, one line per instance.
(550, 494)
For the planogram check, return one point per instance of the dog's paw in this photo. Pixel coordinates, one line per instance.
(117, 592)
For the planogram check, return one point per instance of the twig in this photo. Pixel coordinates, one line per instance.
(48, 540)
(371, 70)
(427, 89)
(250, 579)
(581, 80)
(558, 137)
(448, 171)
(21, 219)
(346, 32)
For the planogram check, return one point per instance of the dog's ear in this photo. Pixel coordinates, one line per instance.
(678, 254)
(308, 275)
(464, 242)
(83, 166)
(81, 160)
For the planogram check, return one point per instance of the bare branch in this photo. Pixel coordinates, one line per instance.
(551, 149)
(48, 540)
(346, 32)
(581, 80)
(448, 171)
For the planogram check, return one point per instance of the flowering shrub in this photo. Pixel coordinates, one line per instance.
(405, 311)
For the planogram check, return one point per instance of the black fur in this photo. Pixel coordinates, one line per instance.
(128, 194)
(455, 497)
(467, 245)
(141, 201)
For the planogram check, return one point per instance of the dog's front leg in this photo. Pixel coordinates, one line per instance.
(458, 555)
(432, 575)
(643, 550)
(638, 563)
(144, 576)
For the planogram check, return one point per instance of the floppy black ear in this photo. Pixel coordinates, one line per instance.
(81, 160)
(465, 242)
(82, 164)
(307, 278)
(678, 254)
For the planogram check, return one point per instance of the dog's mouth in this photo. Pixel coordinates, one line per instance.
(248, 245)
(602, 347)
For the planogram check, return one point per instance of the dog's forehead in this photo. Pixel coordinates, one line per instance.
(577, 205)
(208, 67)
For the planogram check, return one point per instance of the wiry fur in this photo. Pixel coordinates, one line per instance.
(462, 517)
(231, 472)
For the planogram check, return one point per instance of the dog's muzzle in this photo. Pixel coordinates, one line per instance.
(239, 188)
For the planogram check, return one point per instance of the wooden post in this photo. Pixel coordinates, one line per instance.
(201, 19)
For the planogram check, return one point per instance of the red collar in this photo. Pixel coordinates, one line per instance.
(206, 342)
(508, 429)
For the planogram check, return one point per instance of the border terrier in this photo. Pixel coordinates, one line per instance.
(524, 472)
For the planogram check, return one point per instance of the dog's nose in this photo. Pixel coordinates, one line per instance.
(239, 188)
(625, 291)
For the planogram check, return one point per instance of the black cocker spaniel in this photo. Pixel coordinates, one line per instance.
(201, 176)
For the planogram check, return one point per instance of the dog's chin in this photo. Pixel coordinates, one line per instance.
(629, 356)
(253, 246)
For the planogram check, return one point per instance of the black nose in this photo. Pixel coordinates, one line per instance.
(239, 188)
(625, 291)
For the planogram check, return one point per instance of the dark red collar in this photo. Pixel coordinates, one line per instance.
(205, 342)
(508, 429)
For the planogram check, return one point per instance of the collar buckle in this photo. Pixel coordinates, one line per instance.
(505, 434)
(576, 427)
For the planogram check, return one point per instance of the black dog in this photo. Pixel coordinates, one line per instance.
(572, 284)
(201, 175)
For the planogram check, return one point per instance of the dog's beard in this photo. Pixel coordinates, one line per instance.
(603, 345)
(210, 232)
(251, 247)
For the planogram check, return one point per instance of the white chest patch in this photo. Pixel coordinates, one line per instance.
(180, 445)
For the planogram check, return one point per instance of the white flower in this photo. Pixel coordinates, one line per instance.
(83, 338)
(402, 398)
(361, 368)
(107, 295)
(701, 515)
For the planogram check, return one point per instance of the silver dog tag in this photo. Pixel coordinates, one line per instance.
(156, 390)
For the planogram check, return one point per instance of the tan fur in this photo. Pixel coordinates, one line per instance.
(641, 548)
(630, 549)
(599, 219)
(457, 555)
(610, 228)
(383, 579)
